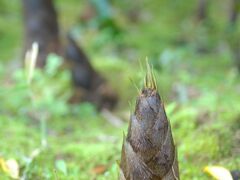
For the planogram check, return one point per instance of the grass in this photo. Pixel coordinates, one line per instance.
(201, 93)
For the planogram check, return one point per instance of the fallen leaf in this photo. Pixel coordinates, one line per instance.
(13, 167)
(3, 165)
(10, 167)
(99, 169)
(218, 172)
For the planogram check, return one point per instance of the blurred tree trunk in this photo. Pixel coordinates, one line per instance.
(235, 5)
(232, 33)
(90, 85)
(202, 10)
(41, 26)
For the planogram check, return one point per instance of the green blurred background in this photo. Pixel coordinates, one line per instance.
(194, 61)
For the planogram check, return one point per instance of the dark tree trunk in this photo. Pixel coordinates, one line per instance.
(82, 72)
(90, 86)
(232, 34)
(202, 10)
(234, 12)
(41, 26)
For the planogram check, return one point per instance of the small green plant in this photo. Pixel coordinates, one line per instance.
(35, 90)
(33, 93)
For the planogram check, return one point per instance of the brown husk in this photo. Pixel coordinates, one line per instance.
(148, 151)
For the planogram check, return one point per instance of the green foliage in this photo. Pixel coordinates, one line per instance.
(44, 93)
(87, 141)
(61, 166)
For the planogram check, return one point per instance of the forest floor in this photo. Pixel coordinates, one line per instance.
(196, 79)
